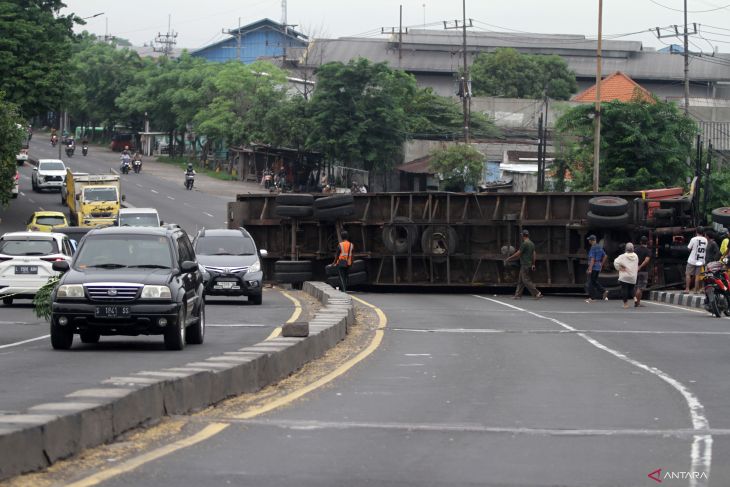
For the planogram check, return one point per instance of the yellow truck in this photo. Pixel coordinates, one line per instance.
(93, 199)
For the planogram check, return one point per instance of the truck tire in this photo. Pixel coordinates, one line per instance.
(328, 214)
(608, 205)
(61, 336)
(293, 211)
(292, 277)
(438, 241)
(400, 236)
(286, 266)
(357, 266)
(608, 279)
(664, 213)
(357, 278)
(333, 281)
(721, 215)
(602, 221)
(334, 201)
(294, 199)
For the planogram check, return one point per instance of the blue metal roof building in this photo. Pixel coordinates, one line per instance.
(262, 39)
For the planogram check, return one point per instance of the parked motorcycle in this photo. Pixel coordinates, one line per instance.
(137, 165)
(189, 181)
(717, 289)
(84, 149)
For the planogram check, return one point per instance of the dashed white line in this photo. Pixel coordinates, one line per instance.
(154, 191)
(170, 198)
(206, 213)
(138, 185)
(31, 200)
(15, 344)
(701, 452)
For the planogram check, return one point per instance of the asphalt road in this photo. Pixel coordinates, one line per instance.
(33, 373)
(480, 390)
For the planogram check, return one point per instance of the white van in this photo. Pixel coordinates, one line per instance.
(138, 217)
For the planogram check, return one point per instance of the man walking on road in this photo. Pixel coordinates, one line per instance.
(596, 259)
(343, 260)
(642, 277)
(527, 256)
(627, 265)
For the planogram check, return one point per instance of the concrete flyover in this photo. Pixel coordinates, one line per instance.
(45, 433)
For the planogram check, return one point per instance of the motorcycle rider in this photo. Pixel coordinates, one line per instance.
(189, 173)
(137, 157)
(84, 145)
(125, 159)
(70, 144)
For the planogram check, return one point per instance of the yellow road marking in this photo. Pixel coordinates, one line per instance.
(131, 464)
(294, 316)
(215, 428)
(374, 344)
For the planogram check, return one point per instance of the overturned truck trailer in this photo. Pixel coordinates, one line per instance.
(462, 239)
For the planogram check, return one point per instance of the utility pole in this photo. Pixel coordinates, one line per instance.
(685, 35)
(167, 40)
(464, 82)
(597, 118)
(236, 33)
(400, 32)
(107, 38)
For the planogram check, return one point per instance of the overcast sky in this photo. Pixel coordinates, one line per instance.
(199, 23)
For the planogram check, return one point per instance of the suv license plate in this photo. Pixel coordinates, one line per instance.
(226, 285)
(112, 311)
(26, 269)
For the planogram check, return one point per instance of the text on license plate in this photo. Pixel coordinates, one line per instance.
(112, 311)
(26, 269)
(226, 285)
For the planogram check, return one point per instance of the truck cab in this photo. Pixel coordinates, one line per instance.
(93, 199)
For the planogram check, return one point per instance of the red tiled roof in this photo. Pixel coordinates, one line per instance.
(617, 86)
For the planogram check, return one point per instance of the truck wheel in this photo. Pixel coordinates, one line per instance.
(286, 266)
(334, 213)
(334, 201)
(294, 199)
(195, 333)
(721, 215)
(400, 236)
(602, 221)
(61, 336)
(608, 205)
(292, 277)
(293, 211)
(356, 278)
(438, 241)
(175, 332)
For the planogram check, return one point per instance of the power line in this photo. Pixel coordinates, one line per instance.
(689, 11)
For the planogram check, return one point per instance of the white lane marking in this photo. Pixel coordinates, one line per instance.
(673, 306)
(559, 332)
(22, 194)
(154, 191)
(138, 185)
(417, 354)
(24, 341)
(31, 200)
(170, 198)
(41, 208)
(701, 460)
(206, 213)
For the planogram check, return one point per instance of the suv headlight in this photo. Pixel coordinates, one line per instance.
(156, 292)
(70, 291)
(255, 267)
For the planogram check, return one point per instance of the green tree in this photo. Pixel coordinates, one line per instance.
(359, 113)
(459, 165)
(508, 73)
(644, 145)
(10, 144)
(434, 116)
(35, 47)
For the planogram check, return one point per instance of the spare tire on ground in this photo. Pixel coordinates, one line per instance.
(287, 266)
(293, 211)
(400, 236)
(721, 216)
(439, 241)
(294, 199)
(608, 205)
(334, 201)
(601, 221)
(352, 280)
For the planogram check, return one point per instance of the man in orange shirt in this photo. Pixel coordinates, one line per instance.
(343, 260)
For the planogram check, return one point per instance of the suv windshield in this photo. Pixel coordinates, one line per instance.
(113, 251)
(50, 220)
(51, 166)
(138, 220)
(100, 194)
(233, 245)
(24, 246)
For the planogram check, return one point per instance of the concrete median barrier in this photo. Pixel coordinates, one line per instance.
(89, 417)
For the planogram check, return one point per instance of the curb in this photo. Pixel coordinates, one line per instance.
(680, 299)
(89, 417)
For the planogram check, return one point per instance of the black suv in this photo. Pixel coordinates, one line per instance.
(130, 281)
(231, 263)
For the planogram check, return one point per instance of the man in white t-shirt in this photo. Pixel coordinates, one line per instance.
(697, 247)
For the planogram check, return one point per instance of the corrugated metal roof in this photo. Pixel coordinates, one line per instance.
(438, 52)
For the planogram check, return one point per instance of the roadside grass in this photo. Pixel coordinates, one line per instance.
(182, 163)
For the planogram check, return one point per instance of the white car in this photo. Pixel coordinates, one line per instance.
(22, 156)
(48, 174)
(138, 217)
(26, 260)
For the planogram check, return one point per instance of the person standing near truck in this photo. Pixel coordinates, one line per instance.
(642, 277)
(596, 260)
(343, 260)
(697, 249)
